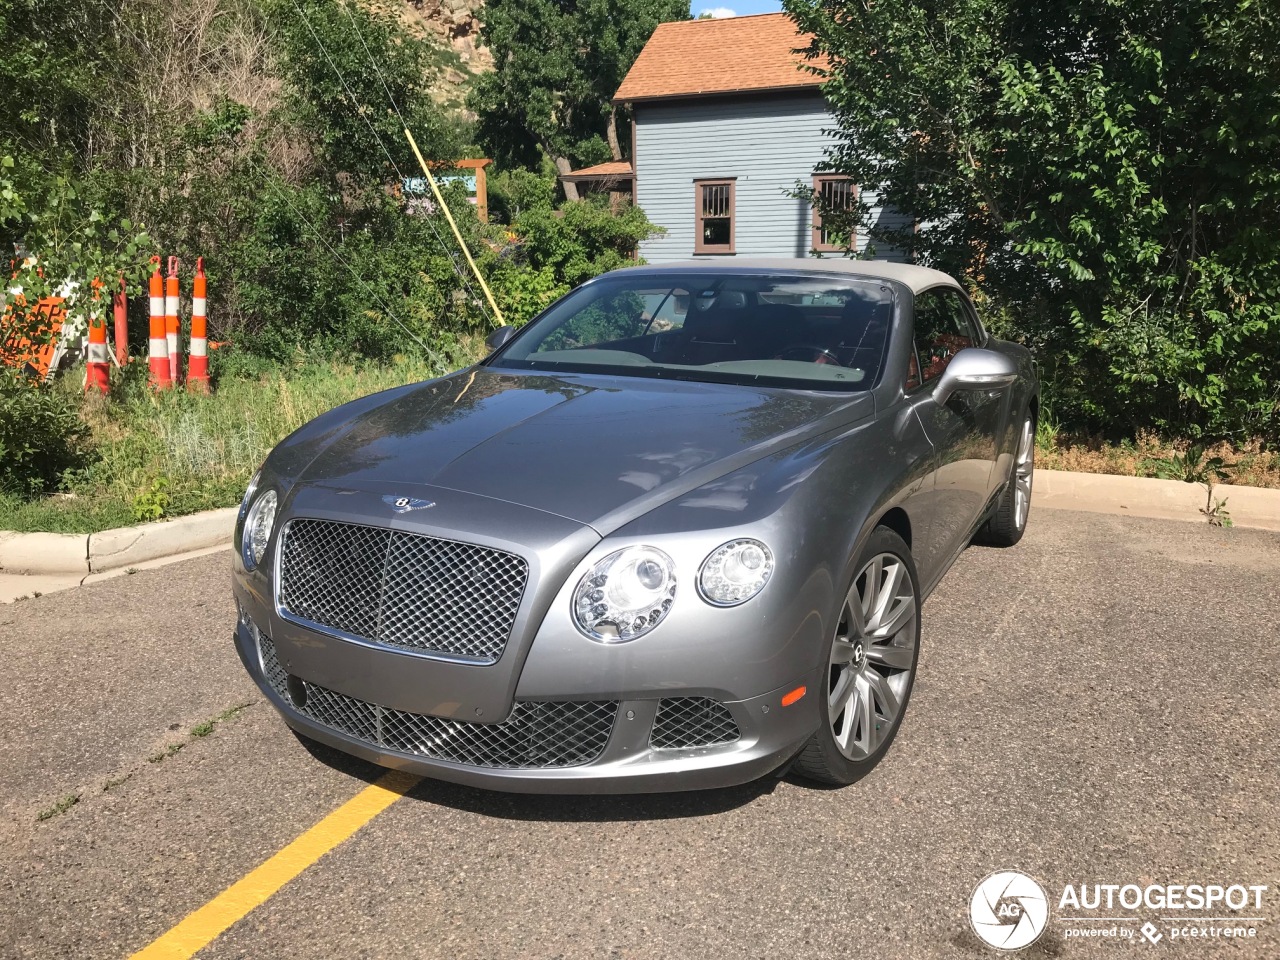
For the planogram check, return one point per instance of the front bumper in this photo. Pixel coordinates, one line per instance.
(623, 759)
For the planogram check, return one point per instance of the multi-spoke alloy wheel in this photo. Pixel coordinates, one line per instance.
(1009, 521)
(872, 662)
(872, 656)
(1023, 468)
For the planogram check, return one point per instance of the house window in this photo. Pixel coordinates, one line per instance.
(833, 193)
(714, 206)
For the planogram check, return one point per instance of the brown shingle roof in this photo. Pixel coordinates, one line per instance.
(733, 55)
(614, 169)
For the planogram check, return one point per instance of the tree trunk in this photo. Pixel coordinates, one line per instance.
(570, 188)
(611, 131)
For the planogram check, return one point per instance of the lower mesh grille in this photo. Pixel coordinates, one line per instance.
(556, 734)
(692, 722)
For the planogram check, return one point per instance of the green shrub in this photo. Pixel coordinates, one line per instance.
(555, 250)
(41, 435)
(152, 502)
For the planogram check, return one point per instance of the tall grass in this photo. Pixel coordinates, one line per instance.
(175, 453)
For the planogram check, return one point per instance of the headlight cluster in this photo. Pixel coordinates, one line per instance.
(625, 595)
(630, 591)
(735, 572)
(258, 524)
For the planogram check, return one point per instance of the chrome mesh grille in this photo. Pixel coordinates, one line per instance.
(556, 734)
(405, 589)
(692, 722)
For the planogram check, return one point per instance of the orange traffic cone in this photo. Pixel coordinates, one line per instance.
(172, 326)
(198, 364)
(157, 351)
(120, 307)
(98, 369)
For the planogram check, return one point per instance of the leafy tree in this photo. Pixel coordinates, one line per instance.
(1104, 173)
(52, 64)
(557, 64)
(356, 78)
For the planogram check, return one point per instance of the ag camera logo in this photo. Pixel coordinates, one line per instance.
(1009, 910)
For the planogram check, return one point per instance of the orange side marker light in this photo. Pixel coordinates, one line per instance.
(794, 696)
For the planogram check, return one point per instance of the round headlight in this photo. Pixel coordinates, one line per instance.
(625, 595)
(257, 529)
(735, 572)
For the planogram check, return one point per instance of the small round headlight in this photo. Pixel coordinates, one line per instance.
(257, 529)
(625, 595)
(735, 572)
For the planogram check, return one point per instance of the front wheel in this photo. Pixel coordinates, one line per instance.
(872, 658)
(1009, 522)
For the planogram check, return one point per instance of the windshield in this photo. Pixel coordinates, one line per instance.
(806, 332)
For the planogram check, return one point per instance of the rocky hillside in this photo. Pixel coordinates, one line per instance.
(457, 22)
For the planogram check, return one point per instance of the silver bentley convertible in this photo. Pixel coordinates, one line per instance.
(674, 533)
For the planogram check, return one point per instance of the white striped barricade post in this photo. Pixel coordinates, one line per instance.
(198, 364)
(98, 368)
(157, 346)
(172, 326)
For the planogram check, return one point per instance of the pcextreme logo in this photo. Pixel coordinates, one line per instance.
(1009, 911)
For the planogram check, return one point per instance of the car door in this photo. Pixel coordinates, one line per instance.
(963, 430)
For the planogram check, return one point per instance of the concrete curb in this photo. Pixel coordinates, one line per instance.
(1254, 507)
(44, 553)
(130, 546)
(79, 554)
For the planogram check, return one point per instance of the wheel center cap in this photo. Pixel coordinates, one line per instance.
(859, 654)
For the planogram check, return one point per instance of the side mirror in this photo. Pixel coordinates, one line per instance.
(500, 336)
(975, 369)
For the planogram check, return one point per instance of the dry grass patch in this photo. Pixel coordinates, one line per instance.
(1250, 465)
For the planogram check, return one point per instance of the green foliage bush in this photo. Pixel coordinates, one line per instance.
(41, 435)
(1106, 177)
(559, 249)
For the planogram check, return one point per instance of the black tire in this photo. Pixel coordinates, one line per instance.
(1008, 523)
(822, 759)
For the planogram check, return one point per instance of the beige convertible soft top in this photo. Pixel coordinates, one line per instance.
(917, 278)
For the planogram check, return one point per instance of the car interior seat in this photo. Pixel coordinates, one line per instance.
(715, 331)
(773, 327)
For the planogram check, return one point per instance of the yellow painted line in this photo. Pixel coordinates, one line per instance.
(197, 930)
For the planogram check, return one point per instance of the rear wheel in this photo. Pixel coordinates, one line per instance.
(1007, 525)
(872, 665)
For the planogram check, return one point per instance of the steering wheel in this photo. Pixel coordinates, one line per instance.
(811, 352)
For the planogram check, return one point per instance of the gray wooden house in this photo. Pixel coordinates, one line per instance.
(726, 124)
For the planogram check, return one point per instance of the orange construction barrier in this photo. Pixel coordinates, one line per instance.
(198, 364)
(98, 369)
(30, 335)
(157, 352)
(172, 326)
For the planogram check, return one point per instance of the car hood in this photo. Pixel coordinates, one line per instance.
(596, 449)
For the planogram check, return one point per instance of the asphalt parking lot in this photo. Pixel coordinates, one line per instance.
(1100, 704)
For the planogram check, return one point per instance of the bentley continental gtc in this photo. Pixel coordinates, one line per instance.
(673, 533)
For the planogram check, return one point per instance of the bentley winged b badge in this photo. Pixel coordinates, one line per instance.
(405, 504)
